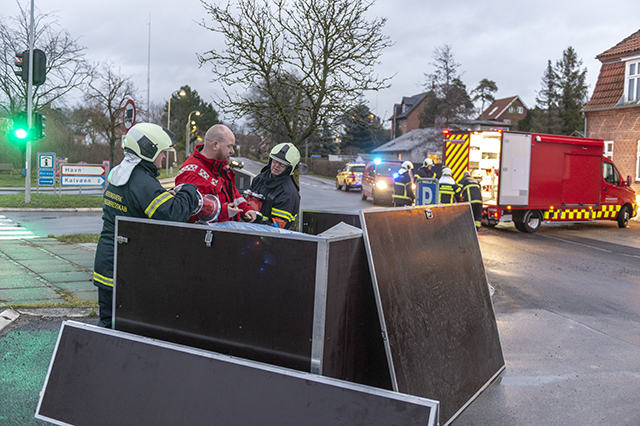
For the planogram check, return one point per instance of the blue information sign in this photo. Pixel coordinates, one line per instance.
(45, 181)
(426, 192)
(45, 173)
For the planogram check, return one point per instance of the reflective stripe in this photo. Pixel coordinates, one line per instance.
(283, 214)
(157, 202)
(239, 200)
(102, 279)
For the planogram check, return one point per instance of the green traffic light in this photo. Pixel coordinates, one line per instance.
(21, 133)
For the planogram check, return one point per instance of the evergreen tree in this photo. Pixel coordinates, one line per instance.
(359, 130)
(572, 91)
(484, 92)
(547, 101)
(454, 104)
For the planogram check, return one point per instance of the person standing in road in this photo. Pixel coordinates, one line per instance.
(208, 168)
(449, 190)
(426, 170)
(471, 193)
(274, 191)
(403, 194)
(134, 191)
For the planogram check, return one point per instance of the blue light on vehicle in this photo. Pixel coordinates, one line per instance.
(395, 175)
(377, 161)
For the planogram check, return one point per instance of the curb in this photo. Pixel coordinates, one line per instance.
(8, 316)
(43, 209)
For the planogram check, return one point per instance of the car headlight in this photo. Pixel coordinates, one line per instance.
(381, 184)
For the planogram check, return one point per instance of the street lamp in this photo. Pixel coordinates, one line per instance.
(182, 94)
(188, 133)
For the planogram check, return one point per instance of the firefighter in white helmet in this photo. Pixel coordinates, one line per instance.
(134, 191)
(449, 190)
(403, 194)
(426, 170)
(274, 192)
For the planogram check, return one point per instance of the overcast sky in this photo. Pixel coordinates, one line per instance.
(505, 41)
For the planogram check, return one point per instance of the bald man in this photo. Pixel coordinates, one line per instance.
(208, 168)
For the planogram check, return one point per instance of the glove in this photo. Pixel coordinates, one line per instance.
(211, 207)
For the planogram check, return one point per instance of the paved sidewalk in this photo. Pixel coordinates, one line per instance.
(44, 270)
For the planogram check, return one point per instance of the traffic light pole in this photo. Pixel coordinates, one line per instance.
(27, 178)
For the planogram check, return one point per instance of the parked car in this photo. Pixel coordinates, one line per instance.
(236, 164)
(377, 181)
(350, 176)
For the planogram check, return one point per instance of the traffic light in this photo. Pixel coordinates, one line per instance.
(20, 130)
(22, 65)
(39, 66)
(39, 126)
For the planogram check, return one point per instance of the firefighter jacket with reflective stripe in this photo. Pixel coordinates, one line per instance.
(424, 172)
(403, 192)
(449, 190)
(280, 197)
(470, 192)
(141, 196)
(213, 177)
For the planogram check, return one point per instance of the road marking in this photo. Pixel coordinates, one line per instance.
(10, 230)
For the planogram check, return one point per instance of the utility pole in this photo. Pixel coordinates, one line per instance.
(27, 178)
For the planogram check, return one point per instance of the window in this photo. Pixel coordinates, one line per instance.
(632, 82)
(638, 163)
(610, 174)
(512, 109)
(608, 149)
(520, 110)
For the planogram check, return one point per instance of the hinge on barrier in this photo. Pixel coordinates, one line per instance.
(122, 240)
(208, 238)
(428, 213)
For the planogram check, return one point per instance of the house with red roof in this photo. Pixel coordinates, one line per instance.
(613, 112)
(406, 114)
(508, 111)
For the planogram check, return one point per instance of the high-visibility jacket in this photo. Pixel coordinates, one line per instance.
(449, 191)
(213, 177)
(402, 189)
(424, 172)
(279, 195)
(471, 192)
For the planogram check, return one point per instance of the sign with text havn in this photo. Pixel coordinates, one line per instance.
(82, 175)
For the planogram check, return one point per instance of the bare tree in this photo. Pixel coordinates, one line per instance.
(107, 94)
(67, 67)
(321, 51)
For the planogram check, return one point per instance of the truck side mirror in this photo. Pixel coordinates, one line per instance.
(628, 180)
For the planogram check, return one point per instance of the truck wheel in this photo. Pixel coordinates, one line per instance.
(531, 221)
(346, 187)
(374, 198)
(519, 226)
(623, 217)
(364, 197)
(337, 185)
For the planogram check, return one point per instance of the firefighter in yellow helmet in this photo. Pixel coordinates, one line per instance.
(449, 190)
(274, 192)
(426, 170)
(134, 191)
(403, 194)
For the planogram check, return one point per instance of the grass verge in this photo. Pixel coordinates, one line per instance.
(77, 238)
(51, 201)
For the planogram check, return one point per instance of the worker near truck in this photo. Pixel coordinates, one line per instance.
(448, 189)
(471, 193)
(403, 194)
(134, 191)
(426, 170)
(274, 192)
(208, 167)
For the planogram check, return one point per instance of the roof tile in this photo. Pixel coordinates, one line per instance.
(628, 45)
(609, 87)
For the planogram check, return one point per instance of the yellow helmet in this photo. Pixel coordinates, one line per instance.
(146, 140)
(407, 165)
(446, 171)
(286, 153)
(427, 162)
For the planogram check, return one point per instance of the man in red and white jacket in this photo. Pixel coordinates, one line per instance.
(208, 168)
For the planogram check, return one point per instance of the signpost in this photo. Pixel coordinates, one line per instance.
(46, 166)
(426, 192)
(82, 175)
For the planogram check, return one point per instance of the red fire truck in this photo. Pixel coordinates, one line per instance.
(529, 178)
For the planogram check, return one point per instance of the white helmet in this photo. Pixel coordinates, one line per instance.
(446, 171)
(146, 140)
(407, 165)
(427, 162)
(286, 153)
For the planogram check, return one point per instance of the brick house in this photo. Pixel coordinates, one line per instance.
(613, 112)
(508, 110)
(406, 114)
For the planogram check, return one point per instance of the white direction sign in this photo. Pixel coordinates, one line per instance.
(82, 180)
(83, 169)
